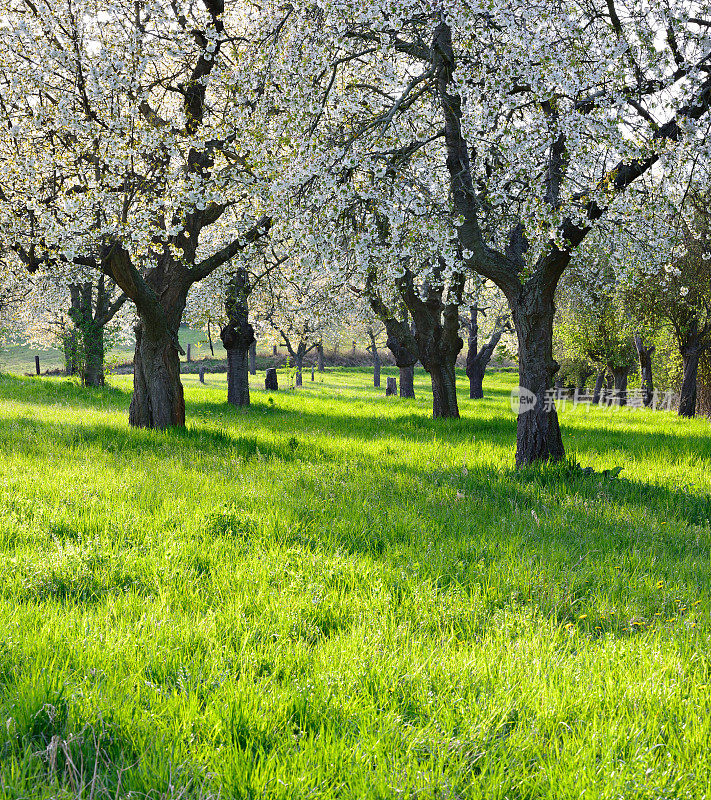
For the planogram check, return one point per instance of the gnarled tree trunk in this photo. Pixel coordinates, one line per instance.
(478, 360)
(620, 376)
(538, 436)
(405, 360)
(94, 355)
(237, 337)
(407, 382)
(691, 354)
(157, 400)
(444, 391)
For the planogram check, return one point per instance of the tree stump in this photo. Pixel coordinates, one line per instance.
(202, 373)
(391, 387)
(37, 366)
(270, 381)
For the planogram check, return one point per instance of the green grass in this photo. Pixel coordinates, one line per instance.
(332, 595)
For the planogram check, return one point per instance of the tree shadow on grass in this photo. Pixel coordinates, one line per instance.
(552, 536)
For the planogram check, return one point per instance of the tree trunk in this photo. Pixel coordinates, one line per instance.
(478, 360)
(70, 340)
(476, 371)
(376, 359)
(407, 381)
(538, 436)
(405, 361)
(599, 383)
(690, 354)
(237, 377)
(237, 337)
(319, 351)
(209, 339)
(94, 351)
(253, 358)
(271, 382)
(645, 368)
(620, 375)
(299, 364)
(444, 392)
(158, 400)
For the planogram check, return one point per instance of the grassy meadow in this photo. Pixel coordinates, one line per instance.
(334, 596)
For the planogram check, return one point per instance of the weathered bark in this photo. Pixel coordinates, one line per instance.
(270, 381)
(407, 382)
(690, 353)
(405, 360)
(70, 338)
(253, 358)
(376, 359)
(157, 400)
(620, 376)
(90, 314)
(599, 384)
(444, 392)
(645, 368)
(436, 334)
(94, 351)
(478, 360)
(538, 434)
(237, 337)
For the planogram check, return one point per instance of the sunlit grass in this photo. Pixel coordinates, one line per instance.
(331, 595)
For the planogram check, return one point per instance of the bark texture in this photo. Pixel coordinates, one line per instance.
(599, 386)
(691, 354)
(376, 358)
(538, 436)
(238, 337)
(620, 376)
(645, 367)
(478, 360)
(407, 382)
(157, 400)
(270, 381)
